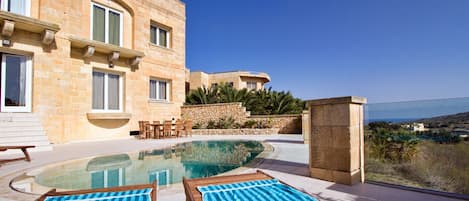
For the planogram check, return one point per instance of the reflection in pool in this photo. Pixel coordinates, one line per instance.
(192, 159)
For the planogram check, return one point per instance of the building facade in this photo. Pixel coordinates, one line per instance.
(91, 69)
(237, 79)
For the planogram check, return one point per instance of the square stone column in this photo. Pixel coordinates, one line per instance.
(336, 142)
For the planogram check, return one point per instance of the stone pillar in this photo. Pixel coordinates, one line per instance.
(336, 144)
(306, 126)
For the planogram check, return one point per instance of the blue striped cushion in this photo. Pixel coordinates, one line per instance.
(130, 195)
(258, 190)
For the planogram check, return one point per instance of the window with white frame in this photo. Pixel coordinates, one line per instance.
(162, 176)
(106, 24)
(159, 36)
(108, 178)
(107, 92)
(251, 85)
(160, 89)
(20, 7)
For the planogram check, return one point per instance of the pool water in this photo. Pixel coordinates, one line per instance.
(167, 166)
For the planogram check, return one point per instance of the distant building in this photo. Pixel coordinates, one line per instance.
(237, 79)
(416, 127)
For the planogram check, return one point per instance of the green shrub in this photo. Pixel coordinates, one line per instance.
(211, 124)
(197, 125)
(225, 123)
(249, 124)
(394, 146)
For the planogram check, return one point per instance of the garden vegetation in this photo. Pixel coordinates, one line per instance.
(437, 161)
(261, 102)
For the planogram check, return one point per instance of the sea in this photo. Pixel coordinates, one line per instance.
(406, 111)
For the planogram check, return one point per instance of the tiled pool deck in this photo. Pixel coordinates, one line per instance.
(288, 162)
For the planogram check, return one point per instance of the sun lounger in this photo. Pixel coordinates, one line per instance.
(259, 185)
(143, 192)
(23, 148)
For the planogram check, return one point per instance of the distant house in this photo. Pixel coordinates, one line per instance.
(416, 127)
(237, 79)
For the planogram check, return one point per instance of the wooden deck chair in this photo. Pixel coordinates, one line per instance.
(142, 192)
(23, 149)
(193, 188)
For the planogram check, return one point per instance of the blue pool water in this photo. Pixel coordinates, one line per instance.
(168, 166)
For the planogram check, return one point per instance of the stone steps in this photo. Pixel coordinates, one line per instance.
(22, 129)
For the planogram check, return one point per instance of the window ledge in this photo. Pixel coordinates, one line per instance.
(159, 101)
(161, 47)
(105, 48)
(108, 116)
(28, 23)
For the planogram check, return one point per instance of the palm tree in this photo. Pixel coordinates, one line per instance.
(262, 102)
(202, 96)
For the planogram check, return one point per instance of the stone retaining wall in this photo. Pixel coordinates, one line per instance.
(287, 124)
(241, 131)
(201, 114)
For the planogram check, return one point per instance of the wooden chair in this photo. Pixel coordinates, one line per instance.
(93, 193)
(146, 130)
(179, 128)
(23, 149)
(141, 126)
(188, 127)
(167, 128)
(157, 129)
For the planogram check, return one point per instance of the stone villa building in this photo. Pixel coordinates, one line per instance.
(237, 79)
(88, 69)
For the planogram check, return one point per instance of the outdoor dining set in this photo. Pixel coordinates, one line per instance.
(167, 129)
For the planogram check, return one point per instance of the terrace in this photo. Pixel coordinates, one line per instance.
(283, 162)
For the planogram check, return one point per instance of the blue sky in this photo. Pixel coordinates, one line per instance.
(385, 50)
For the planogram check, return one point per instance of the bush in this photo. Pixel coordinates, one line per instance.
(197, 126)
(257, 124)
(225, 123)
(211, 124)
(393, 146)
(249, 124)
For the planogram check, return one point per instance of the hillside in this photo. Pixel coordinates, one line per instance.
(459, 120)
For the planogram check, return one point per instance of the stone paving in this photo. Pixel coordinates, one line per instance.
(287, 162)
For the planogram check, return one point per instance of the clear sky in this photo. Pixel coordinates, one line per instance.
(385, 50)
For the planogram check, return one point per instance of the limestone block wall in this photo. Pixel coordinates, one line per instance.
(62, 77)
(287, 124)
(242, 131)
(201, 114)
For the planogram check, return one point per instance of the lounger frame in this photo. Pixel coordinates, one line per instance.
(153, 186)
(193, 194)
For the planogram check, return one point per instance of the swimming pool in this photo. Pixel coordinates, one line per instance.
(168, 166)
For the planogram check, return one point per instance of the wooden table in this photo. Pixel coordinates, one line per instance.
(23, 148)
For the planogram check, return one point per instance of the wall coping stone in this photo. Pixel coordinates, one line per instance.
(214, 104)
(275, 116)
(337, 100)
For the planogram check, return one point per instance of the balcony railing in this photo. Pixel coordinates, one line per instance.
(419, 145)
